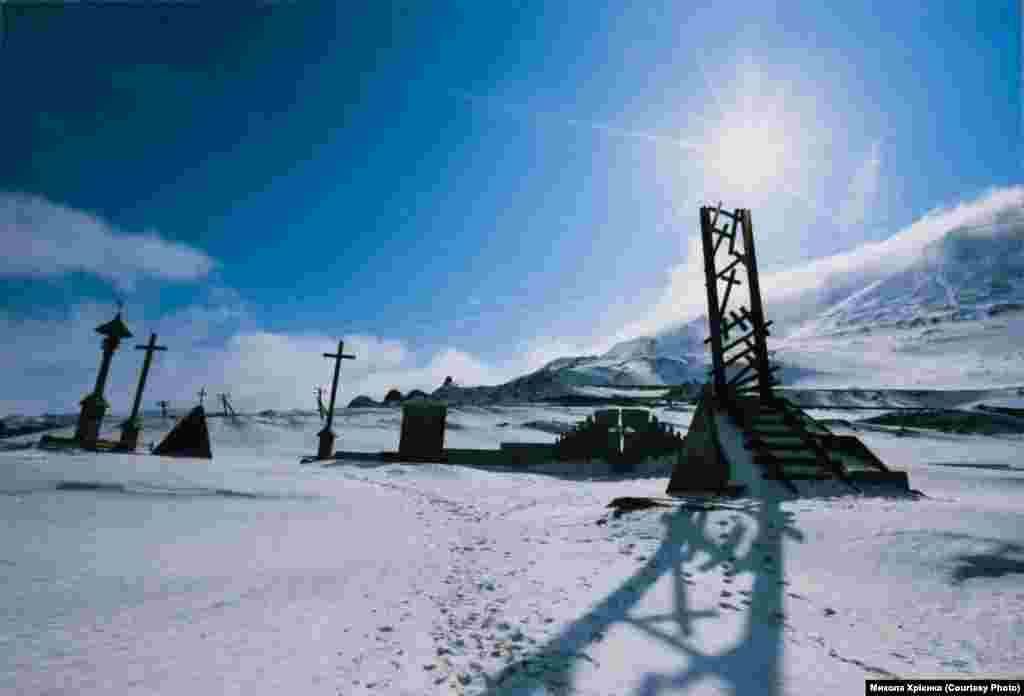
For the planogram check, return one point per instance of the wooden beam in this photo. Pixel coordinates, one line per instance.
(756, 306)
(729, 282)
(732, 264)
(724, 234)
(740, 320)
(711, 286)
(749, 352)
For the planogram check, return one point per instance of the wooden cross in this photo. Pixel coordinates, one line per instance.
(319, 391)
(150, 348)
(338, 357)
(202, 395)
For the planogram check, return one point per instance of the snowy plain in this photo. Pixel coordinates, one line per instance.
(252, 574)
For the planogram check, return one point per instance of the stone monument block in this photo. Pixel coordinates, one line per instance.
(422, 436)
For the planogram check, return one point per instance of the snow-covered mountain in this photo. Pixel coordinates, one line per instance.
(950, 316)
(954, 317)
(624, 366)
(968, 274)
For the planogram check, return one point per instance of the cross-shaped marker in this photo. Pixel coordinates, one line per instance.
(202, 395)
(338, 357)
(150, 348)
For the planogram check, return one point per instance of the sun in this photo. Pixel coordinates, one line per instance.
(748, 154)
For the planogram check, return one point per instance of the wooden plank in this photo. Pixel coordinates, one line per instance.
(736, 380)
(756, 306)
(730, 281)
(738, 320)
(741, 339)
(731, 265)
(726, 213)
(723, 234)
(739, 356)
(711, 286)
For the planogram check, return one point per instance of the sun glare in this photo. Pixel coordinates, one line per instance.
(762, 134)
(748, 155)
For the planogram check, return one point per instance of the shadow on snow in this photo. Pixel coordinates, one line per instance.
(750, 666)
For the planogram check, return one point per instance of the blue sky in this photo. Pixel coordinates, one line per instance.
(474, 186)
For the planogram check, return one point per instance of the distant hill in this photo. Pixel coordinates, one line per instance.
(953, 317)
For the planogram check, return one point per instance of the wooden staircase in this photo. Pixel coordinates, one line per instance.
(790, 446)
(787, 444)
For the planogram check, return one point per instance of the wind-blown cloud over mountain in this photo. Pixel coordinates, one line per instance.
(794, 294)
(963, 264)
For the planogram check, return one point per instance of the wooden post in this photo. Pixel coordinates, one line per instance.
(228, 409)
(321, 409)
(707, 226)
(756, 309)
(326, 449)
(130, 428)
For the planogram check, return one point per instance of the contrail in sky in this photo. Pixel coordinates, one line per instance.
(602, 128)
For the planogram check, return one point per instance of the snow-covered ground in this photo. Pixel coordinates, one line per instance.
(254, 574)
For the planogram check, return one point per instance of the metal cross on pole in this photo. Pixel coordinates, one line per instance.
(202, 395)
(326, 449)
(130, 428)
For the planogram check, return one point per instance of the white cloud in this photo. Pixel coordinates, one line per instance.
(45, 239)
(53, 361)
(862, 197)
(789, 292)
